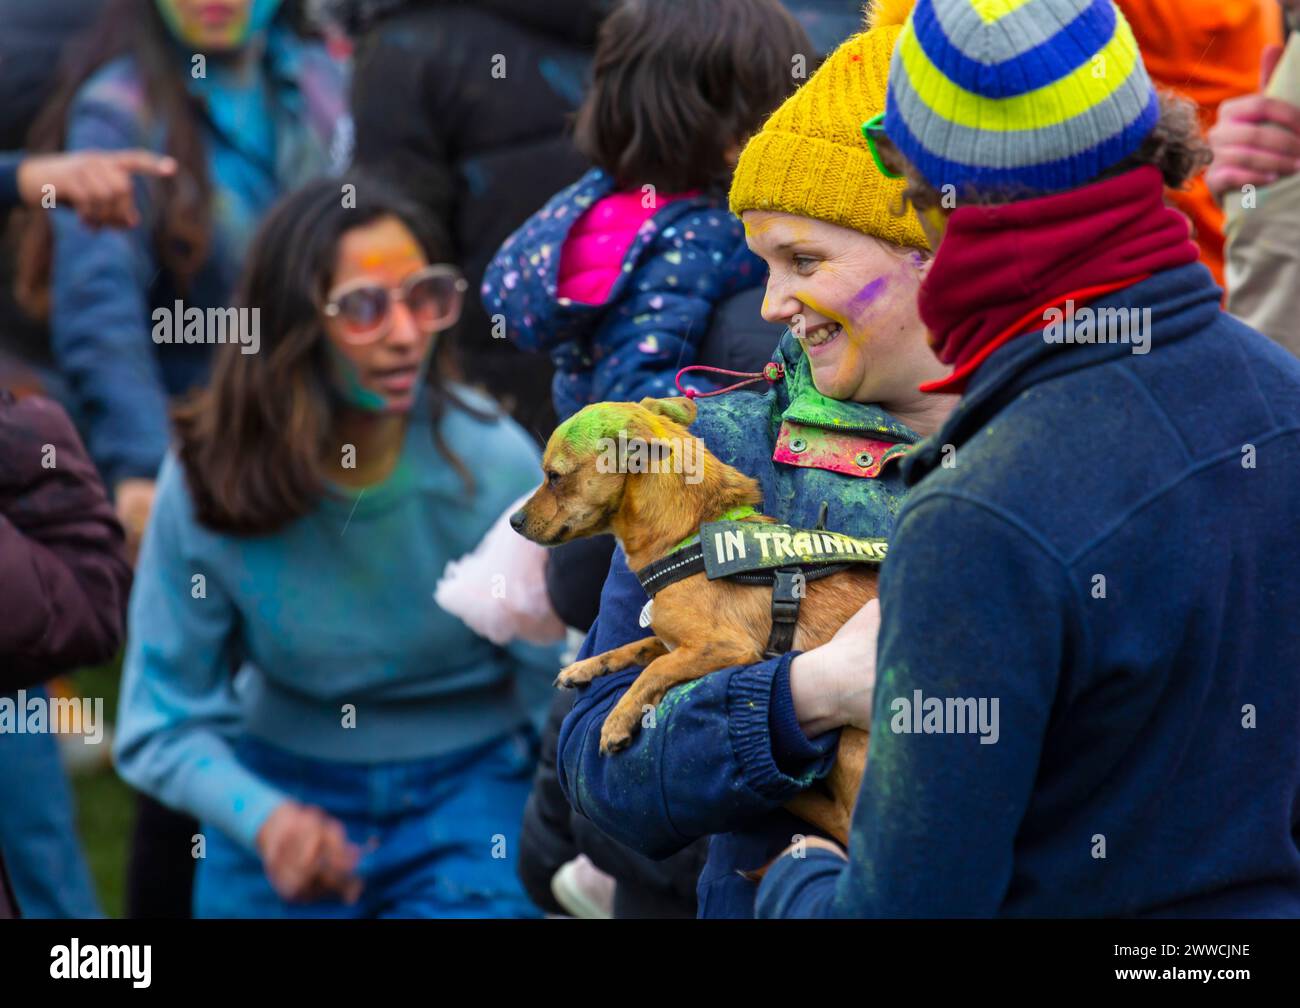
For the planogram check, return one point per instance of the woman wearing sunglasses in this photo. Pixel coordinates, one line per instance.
(349, 748)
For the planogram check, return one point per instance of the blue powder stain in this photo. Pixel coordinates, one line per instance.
(476, 178)
(566, 76)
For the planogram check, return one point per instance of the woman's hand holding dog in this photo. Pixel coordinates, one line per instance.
(832, 685)
(306, 854)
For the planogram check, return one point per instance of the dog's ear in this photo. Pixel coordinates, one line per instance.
(641, 450)
(678, 409)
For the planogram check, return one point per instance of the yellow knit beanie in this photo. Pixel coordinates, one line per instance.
(810, 157)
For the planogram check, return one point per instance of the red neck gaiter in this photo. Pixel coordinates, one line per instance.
(999, 268)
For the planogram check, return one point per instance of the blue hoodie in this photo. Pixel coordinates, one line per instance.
(1114, 559)
(726, 751)
(684, 260)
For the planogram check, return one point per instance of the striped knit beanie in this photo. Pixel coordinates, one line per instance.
(810, 158)
(1007, 95)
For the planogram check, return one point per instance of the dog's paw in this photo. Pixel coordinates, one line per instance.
(582, 672)
(614, 739)
(619, 727)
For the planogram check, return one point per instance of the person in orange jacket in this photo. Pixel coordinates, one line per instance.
(1208, 51)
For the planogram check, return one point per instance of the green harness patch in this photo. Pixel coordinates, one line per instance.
(736, 547)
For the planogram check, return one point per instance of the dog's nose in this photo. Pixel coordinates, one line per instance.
(517, 520)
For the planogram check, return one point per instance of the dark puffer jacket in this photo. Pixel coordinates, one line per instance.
(64, 578)
(684, 260)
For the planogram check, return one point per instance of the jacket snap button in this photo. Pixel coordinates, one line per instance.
(798, 444)
(864, 459)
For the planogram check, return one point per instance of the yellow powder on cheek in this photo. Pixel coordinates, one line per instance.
(236, 31)
(852, 353)
(852, 360)
(825, 312)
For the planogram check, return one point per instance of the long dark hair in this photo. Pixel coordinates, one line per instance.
(677, 83)
(183, 222)
(253, 443)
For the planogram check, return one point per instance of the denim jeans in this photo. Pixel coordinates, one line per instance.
(38, 830)
(439, 836)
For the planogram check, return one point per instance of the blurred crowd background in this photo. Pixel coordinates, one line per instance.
(468, 112)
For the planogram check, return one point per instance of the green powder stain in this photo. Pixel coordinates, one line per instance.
(679, 693)
(348, 384)
(586, 429)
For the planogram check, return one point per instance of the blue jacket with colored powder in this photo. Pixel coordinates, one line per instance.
(260, 142)
(726, 751)
(1113, 559)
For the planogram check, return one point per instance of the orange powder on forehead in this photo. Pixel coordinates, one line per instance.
(390, 257)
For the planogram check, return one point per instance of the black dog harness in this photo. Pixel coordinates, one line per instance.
(759, 553)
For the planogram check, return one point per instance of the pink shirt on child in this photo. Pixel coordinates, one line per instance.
(597, 244)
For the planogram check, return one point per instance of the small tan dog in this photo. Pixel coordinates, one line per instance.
(699, 625)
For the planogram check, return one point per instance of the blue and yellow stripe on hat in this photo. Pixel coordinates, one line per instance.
(1042, 95)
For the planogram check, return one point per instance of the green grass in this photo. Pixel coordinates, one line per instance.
(105, 806)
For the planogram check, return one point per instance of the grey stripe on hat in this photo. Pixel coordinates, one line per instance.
(1020, 148)
(1009, 36)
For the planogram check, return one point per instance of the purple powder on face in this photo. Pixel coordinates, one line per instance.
(863, 298)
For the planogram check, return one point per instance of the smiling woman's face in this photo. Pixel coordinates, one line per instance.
(852, 300)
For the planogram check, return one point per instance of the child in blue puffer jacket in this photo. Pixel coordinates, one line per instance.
(618, 275)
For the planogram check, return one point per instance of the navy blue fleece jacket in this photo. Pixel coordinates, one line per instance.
(1114, 559)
